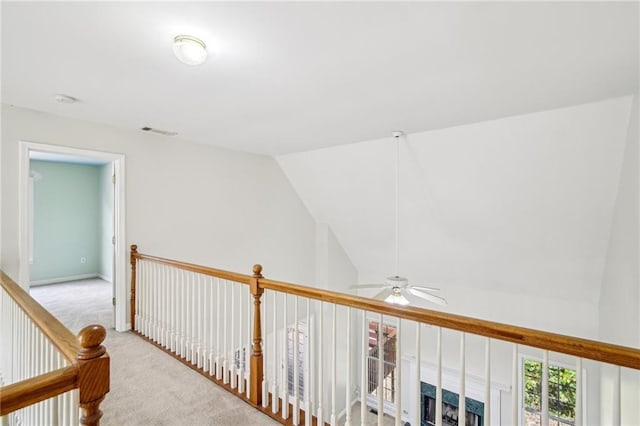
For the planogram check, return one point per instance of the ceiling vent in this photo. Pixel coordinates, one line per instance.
(158, 131)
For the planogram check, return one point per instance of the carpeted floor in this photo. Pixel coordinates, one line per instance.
(148, 387)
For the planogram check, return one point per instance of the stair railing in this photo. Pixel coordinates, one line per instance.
(48, 375)
(303, 355)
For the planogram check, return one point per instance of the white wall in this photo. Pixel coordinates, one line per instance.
(184, 201)
(619, 307)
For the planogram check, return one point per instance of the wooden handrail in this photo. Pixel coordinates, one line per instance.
(584, 348)
(31, 391)
(59, 335)
(219, 273)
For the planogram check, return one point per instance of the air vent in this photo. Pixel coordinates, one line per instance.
(158, 131)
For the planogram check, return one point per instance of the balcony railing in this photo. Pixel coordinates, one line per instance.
(208, 318)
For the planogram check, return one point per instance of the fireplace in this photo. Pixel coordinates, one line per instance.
(450, 400)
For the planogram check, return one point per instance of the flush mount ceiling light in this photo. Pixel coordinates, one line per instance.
(189, 50)
(64, 99)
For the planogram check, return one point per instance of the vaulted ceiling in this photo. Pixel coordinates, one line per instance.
(521, 205)
(290, 77)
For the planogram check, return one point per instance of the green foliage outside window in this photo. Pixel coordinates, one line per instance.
(562, 391)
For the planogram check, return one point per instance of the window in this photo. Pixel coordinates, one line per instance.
(388, 340)
(562, 394)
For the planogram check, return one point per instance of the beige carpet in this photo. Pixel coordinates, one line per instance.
(148, 387)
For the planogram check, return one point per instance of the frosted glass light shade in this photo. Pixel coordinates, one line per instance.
(396, 298)
(189, 50)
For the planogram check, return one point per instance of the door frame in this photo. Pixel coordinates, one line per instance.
(120, 250)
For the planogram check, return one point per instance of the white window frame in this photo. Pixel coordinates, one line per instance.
(522, 358)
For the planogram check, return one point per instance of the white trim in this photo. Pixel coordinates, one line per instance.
(63, 279)
(103, 277)
(522, 357)
(120, 258)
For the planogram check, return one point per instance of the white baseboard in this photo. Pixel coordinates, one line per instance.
(104, 277)
(63, 279)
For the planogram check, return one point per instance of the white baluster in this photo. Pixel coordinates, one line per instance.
(212, 324)
(249, 338)
(193, 305)
(617, 403)
(225, 365)
(438, 376)
(320, 411)
(241, 354)
(416, 413)
(578, 414)
(347, 421)
(545, 388)
(398, 377)
(275, 406)
(285, 359)
(199, 320)
(219, 330)
(333, 368)
(296, 365)
(265, 350)
(184, 309)
(487, 382)
(462, 402)
(364, 367)
(308, 415)
(380, 378)
(514, 387)
(233, 337)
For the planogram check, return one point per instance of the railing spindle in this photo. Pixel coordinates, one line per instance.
(348, 367)
(275, 406)
(417, 390)
(578, 413)
(462, 401)
(398, 375)
(285, 359)
(545, 388)
(308, 415)
(296, 364)
(487, 382)
(380, 378)
(321, 351)
(514, 387)
(364, 367)
(333, 367)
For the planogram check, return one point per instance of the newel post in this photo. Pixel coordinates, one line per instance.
(134, 252)
(93, 376)
(256, 365)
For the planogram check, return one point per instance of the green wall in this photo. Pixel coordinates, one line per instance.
(67, 220)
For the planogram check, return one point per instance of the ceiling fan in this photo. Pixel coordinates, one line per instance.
(396, 288)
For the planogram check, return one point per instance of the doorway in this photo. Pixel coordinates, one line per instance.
(111, 174)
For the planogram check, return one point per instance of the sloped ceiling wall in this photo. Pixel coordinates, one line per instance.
(520, 205)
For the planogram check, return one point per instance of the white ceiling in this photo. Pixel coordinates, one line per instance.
(291, 77)
(522, 204)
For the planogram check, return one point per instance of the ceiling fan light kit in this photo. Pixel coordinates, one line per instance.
(396, 288)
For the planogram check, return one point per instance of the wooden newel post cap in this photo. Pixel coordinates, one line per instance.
(90, 339)
(134, 248)
(257, 270)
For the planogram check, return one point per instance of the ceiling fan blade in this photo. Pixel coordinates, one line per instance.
(359, 286)
(382, 295)
(420, 287)
(428, 297)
